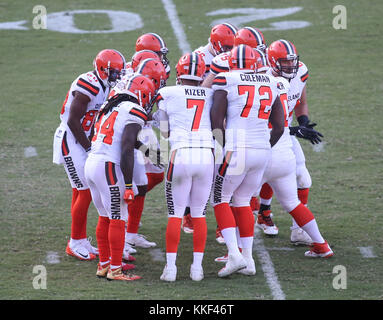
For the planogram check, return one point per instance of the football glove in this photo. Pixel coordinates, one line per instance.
(307, 132)
(128, 194)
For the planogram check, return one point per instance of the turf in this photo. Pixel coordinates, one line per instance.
(344, 96)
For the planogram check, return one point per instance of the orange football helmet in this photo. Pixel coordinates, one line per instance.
(152, 41)
(222, 37)
(154, 70)
(191, 66)
(142, 55)
(242, 57)
(141, 88)
(261, 64)
(283, 58)
(250, 36)
(109, 64)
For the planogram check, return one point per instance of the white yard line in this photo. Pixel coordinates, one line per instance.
(367, 252)
(177, 26)
(52, 257)
(157, 254)
(267, 267)
(30, 152)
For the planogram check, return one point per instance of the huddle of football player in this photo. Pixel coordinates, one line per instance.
(228, 121)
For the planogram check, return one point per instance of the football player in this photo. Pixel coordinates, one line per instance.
(109, 170)
(220, 63)
(221, 40)
(280, 175)
(153, 42)
(184, 116)
(284, 62)
(246, 102)
(72, 140)
(154, 70)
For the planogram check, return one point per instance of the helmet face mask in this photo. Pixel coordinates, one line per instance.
(288, 67)
(109, 65)
(283, 58)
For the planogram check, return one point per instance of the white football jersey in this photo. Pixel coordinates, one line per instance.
(207, 57)
(106, 142)
(90, 85)
(220, 63)
(297, 85)
(188, 110)
(250, 98)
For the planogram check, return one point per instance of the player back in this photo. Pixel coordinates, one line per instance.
(250, 97)
(188, 109)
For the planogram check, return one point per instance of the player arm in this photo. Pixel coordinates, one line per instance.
(128, 142)
(277, 120)
(77, 111)
(218, 115)
(208, 82)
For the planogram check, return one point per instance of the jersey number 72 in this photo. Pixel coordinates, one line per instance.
(266, 97)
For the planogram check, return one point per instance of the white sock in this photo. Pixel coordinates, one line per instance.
(231, 240)
(114, 267)
(75, 242)
(266, 202)
(171, 259)
(295, 225)
(247, 243)
(238, 237)
(247, 252)
(313, 231)
(129, 236)
(197, 258)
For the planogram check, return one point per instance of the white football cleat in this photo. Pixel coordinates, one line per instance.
(169, 274)
(300, 237)
(89, 247)
(128, 249)
(218, 236)
(79, 251)
(250, 267)
(140, 241)
(320, 250)
(196, 273)
(266, 224)
(234, 263)
(222, 258)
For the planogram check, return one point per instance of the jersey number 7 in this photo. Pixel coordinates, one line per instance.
(265, 100)
(199, 104)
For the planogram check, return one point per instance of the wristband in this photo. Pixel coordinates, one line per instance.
(88, 149)
(128, 186)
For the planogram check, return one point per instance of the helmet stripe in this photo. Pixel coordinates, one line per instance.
(255, 34)
(288, 46)
(195, 64)
(122, 57)
(231, 27)
(142, 65)
(162, 43)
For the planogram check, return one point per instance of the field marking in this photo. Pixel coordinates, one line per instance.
(267, 266)
(367, 252)
(30, 152)
(319, 147)
(157, 254)
(52, 257)
(280, 249)
(178, 29)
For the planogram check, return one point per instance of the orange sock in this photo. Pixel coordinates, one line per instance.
(154, 179)
(224, 216)
(266, 191)
(303, 195)
(173, 234)
(254, 204)
(74, 197)
(199, 234)
(302, 215)
(116, 241)
(245, 221)
(135, 212)
(102, 231)
(79, 214)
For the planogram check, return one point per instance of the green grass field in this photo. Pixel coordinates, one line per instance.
(344, 96)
